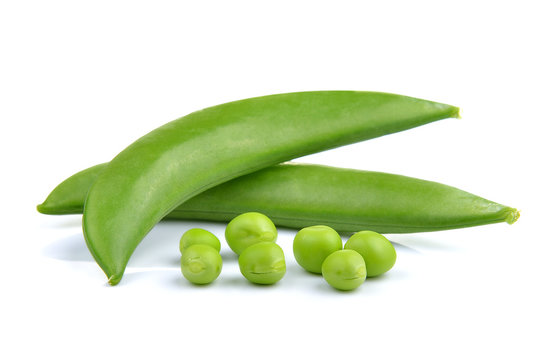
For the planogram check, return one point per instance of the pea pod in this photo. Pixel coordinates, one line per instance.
(298, 195)
(181, 159)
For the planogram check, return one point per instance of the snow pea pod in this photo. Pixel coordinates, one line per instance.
(300, 195)
(181, 159)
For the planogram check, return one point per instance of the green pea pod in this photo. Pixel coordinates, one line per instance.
(185, 157)
(298, 195)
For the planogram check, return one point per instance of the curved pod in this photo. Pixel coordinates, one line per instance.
(300, 195)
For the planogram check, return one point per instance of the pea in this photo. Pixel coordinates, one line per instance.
(199, 236)
(201, 264)
(248, 229)
(344, 269)
(378, 252)
(263, 263)
(313, 244)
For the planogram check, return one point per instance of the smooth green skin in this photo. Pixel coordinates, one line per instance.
(344, 270)
(185, 157)
(199, 236)
(378, 252)
(313, 244)
(297, 195)
(201, 264)
(69, 196)
(248, 229)
(263, 263)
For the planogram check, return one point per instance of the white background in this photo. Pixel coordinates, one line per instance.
(80, 81)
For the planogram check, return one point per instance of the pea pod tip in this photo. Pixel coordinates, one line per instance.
(48, 209)
(114, 280)
(458, 113)
(41, 208)
(513, 215)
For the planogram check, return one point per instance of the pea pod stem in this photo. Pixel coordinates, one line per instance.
(185, 157)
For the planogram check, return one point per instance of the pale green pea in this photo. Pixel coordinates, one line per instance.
(378, 252)
(248, 229)
(201, 264)
(198, 236)
(263, 263)
(313, 244)
(344, 269)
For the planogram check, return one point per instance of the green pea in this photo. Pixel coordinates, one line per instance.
(248, 229)
(344, 269)
(199, 236)
(378, 252)
(263, 263)
(313, 244)
(201, 264)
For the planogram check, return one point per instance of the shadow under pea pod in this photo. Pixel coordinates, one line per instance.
(159, 249)
(418, 243)
(70, 248)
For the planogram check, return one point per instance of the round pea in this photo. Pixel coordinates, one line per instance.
(344, 269)
(313, 244)
(263, 263)
(198, 236)
(378, 252)
(201, 264)
(248, 229)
